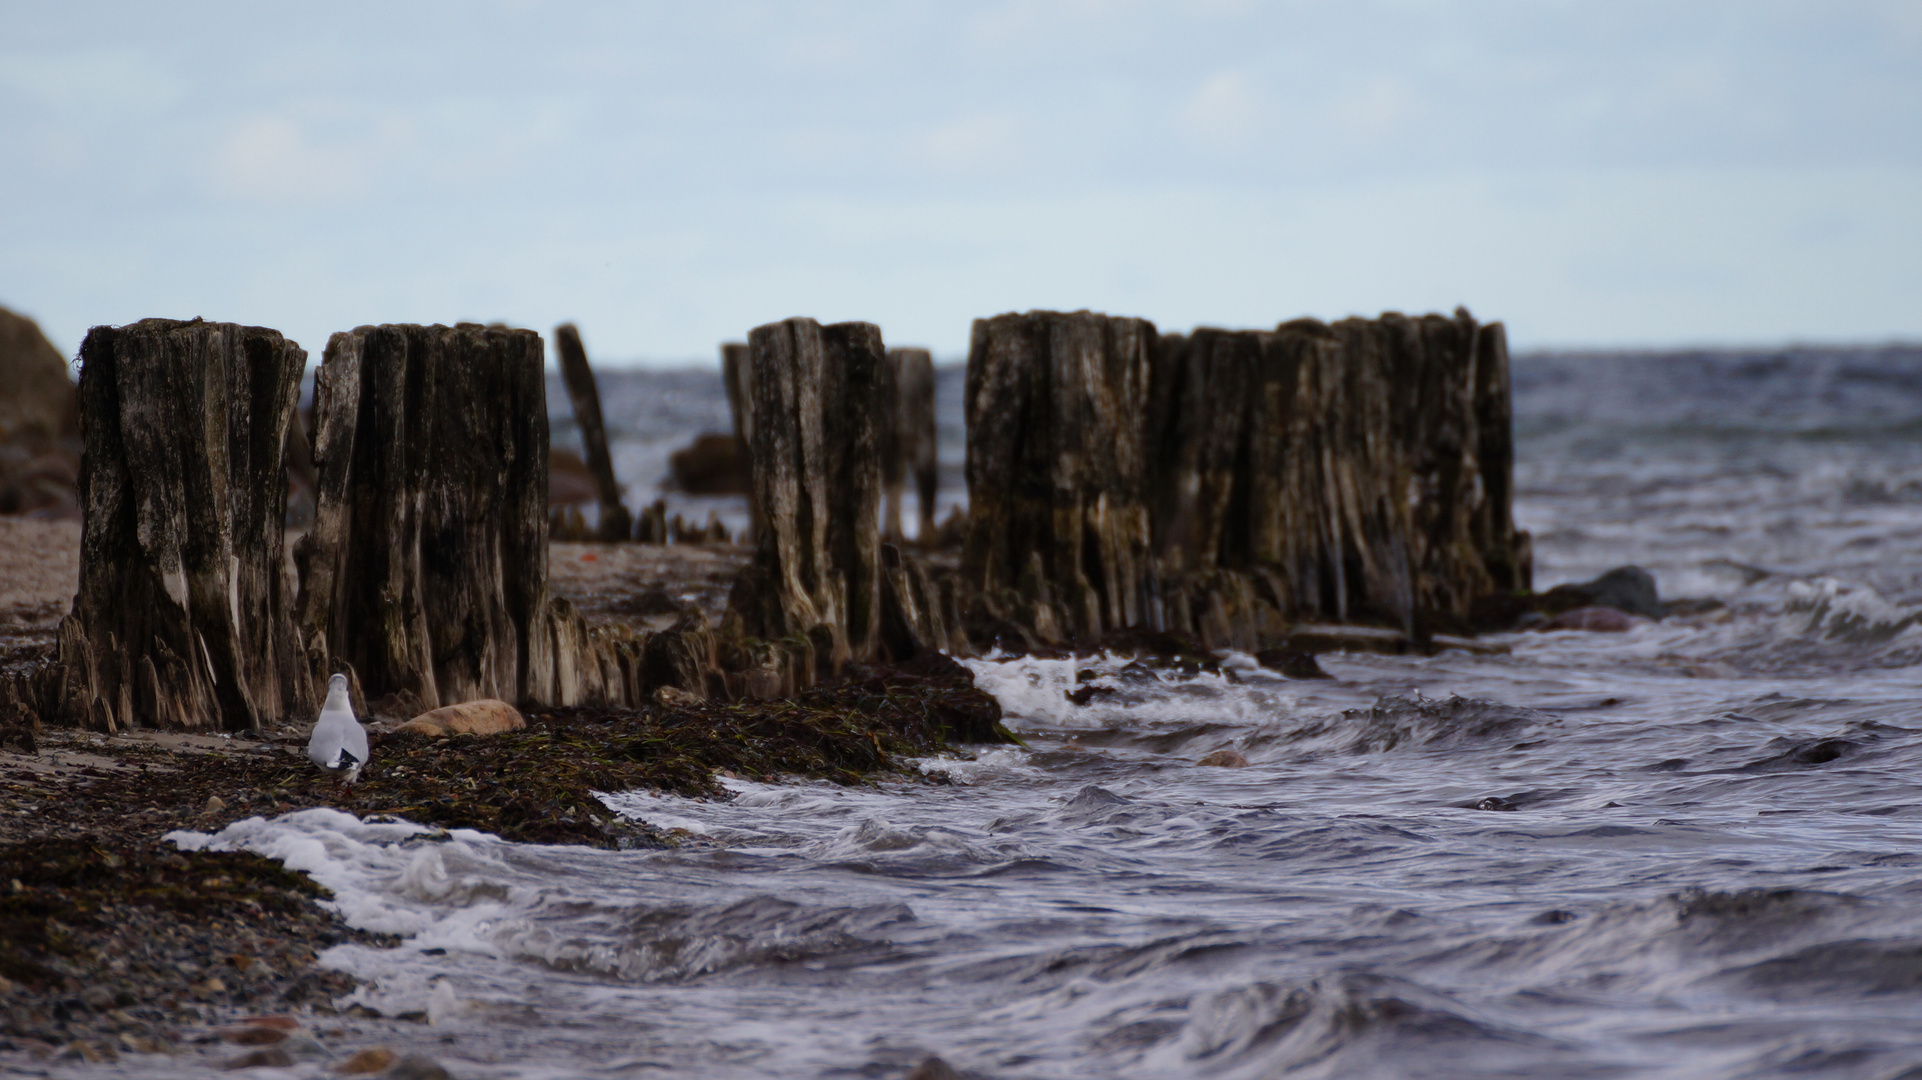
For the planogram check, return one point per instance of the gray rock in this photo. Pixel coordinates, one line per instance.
(933, 1068)
(1626, 588)
(415, 1067)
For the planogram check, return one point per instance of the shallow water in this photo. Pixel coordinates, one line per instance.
(1690, 850)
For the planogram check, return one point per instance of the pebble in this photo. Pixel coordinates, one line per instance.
(416, 1067)
(140, 1044)
(933, 1068)
(1225, 759)
(87, 1052)
(270, 1057)
(254, 1036)
(215, 804)
(371, 1060)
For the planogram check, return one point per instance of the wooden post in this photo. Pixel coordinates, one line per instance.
(907, 439)
(615, 522)
(1505, 550)
(184, 614)
(817, 481)
(426, 569)
(1058, 533)
(737, 376)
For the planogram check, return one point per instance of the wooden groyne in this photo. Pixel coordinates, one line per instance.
(1253, 489)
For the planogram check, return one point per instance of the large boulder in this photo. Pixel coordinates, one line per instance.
(39, 423)
(36, 396)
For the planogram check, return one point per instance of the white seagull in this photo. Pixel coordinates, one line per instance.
(339, 743)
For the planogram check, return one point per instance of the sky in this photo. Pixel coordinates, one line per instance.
(670, 174)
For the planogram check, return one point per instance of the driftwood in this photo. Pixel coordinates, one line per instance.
(426, 569)
(1058, 537)
(184, 614)
(906, 437)
(817, 485)
(615, 522)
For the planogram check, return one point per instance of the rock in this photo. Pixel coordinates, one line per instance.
(710, 465)
(87, 1052)
(281, 1022)
(1294, 663)
(215, 804)
(488, 716)
(305, 1048)
(36, 396)
(416, 1067)
(140, 1044)
(1602, 619)
(933, 1068)
(98, 998)
(1225, 759)
(366, 1061)
(673, 697)
(568, 480)
(272, 1057)
(254, 1035)
(1625, 588)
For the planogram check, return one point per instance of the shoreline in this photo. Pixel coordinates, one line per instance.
(112, 941)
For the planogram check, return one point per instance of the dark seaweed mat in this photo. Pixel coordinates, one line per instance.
(96, 888)
(537, 785)
(102, 938)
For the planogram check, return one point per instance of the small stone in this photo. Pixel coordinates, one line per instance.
(215, 804)
(87, 1052)
(487, 716)
(305, 1048)
(279, 1020)
(416, 1067)
(673, 697)
(1225, 759)
(97, 997)
(254, 1036)
(241, 961)
(270, 1057)
(373, 1059)
(141, 1044)
(933, 1068)
(213, 986)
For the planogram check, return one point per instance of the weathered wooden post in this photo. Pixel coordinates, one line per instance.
(615, 522)
(426, 568)
(1505, 550)
(817, 484)
(907, 438)
(1058, 532)
(184, 614)
(737, 377)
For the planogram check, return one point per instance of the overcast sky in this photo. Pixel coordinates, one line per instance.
(671, 174)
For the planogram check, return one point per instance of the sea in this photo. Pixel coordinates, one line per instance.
(1688, 850)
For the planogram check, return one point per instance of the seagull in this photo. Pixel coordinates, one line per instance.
(339, 743)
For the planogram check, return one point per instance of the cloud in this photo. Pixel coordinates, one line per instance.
(972, 144)
(1225, 110)
(273, 159)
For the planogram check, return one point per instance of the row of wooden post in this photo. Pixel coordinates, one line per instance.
(1222, 483)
